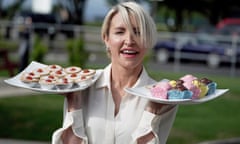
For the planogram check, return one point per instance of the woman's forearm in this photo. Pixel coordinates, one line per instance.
(68, 137)
(74, 101)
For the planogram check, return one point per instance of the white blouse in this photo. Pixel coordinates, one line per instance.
(95, 123)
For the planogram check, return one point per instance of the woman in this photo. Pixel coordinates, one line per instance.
(104, 113)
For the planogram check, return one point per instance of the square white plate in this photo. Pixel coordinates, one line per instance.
(15, 81)
(144, 92)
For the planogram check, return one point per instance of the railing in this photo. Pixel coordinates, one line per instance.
(232, 50)
(94, 43)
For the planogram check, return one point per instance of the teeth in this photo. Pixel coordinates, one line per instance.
(129, 51)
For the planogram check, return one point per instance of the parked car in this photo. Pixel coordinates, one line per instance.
(195, 48)
(227, 21)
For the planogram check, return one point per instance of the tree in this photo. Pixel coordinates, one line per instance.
(75, 9)
(214, 10)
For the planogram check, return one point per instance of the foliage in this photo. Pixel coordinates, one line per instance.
(77, 54)
(39, 49)
(11, 45)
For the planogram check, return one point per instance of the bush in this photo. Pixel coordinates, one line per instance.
(39, 50)
(77, 55)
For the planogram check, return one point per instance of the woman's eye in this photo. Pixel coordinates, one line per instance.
(137, 33)
(119, 32)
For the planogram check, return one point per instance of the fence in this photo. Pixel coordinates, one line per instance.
(94, 42)
(227, 46)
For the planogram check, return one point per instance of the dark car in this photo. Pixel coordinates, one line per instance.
(195, 48)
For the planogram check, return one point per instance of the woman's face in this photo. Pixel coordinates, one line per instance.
(123, 46)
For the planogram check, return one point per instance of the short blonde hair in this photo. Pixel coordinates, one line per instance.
(147, 27)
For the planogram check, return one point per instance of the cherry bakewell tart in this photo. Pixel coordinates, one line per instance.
(47, 83)
(64, 83)
(58, 73)
(54, 67)
(72, 69)
(88, 72)
(41, 71)
(31, 74)
(52, 77)
(83, 80)
(73, 76)
(29, 78)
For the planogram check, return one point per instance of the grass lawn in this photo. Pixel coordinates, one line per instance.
(36, 117)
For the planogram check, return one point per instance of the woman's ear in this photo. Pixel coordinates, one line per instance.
(105, 39)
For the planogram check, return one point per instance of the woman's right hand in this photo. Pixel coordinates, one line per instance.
(74, 100)
(68, 137)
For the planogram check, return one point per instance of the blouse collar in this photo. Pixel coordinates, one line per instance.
(104, 80)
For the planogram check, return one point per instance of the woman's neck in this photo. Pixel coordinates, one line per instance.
(124, 77)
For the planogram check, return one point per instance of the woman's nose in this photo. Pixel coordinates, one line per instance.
(129, 40)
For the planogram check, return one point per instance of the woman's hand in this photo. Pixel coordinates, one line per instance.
(74, 100)
(145, 139)
(154, 108)
(68, 137)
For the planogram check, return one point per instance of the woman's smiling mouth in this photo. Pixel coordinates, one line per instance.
(129, 52)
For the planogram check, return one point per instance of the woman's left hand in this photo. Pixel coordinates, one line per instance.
(145, 139)
(154, 107)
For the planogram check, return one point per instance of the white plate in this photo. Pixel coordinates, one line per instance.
(144, 92)
(15, 81)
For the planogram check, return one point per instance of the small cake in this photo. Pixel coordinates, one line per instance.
(30, 81)
(31, 74)
(194, 89)
(72, 69)
(41, 71)
(188, 78)
(73, 76)
(203, 88)
(83, 80)
(47, 83)
(210, 84)
(54, 67)
(30, 78)
(88, 72)
(64, 83)
(179, 92)
(58, 73)
(52, 77)
(160, 90)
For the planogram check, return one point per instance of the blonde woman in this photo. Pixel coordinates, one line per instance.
(104, 113)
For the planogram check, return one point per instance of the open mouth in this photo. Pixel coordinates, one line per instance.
(129, 52)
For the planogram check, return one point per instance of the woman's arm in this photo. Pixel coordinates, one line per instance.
(72, 131)
(161, 123)
(73, 103)
(68, 137)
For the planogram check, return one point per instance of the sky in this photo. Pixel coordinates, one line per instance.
(95, 9)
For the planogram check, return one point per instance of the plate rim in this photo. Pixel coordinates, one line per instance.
(181, 101)
(11, 80)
